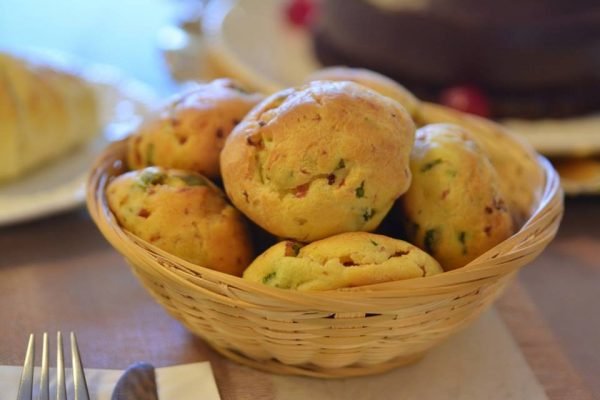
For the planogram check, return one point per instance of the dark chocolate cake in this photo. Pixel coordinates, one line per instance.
(532, 58)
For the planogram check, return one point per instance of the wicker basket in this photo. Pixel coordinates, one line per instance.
(331, 334)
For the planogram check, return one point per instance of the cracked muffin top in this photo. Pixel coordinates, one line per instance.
(345, 260)
(322, 159)
(183, 213)
(190, 130)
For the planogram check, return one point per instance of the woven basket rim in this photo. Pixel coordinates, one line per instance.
(546, 217)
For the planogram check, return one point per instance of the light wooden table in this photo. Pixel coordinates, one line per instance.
(59, 273)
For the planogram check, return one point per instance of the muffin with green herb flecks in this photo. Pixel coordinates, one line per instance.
(454, 209)
(312, 162)
(190, 130)
(521, 175)
(346, 260)
(184, 214)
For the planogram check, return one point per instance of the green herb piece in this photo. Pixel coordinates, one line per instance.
(374, 243)
(150, 177)
(150, 154)
(341, 164)
(194, 180)
(369, 213)
(430, 241)
(269, 277)
(431, 164)
(360, 191)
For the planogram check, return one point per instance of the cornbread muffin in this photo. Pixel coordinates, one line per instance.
(326, 158)
(189, 131)
(371, 79)
(345, 260)
(454, 209)
(521, 177)
(184, 214)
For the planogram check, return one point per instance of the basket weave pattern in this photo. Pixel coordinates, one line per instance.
(342, 333)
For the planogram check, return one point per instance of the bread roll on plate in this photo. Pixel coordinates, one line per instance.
(44, 112)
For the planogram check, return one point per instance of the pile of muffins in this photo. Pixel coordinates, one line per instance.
(333, 178)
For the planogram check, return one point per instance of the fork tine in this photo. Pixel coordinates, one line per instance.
(61, 388)
(81, 390)
(26, 383)
(44, 388)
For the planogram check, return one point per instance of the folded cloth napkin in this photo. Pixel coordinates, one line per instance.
(182, 382)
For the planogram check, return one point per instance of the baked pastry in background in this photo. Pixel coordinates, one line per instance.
(373, 80)
(521, 176)
(454, 208)
(326, 158)
(45, 111)
(189, 131)
(340, 261)
(579, 176)
(184, 214)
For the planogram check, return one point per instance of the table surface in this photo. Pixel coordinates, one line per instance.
(58, 273)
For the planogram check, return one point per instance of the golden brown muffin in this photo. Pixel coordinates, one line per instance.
(45, 111)
(371, 79)
(326, 158)
(521, 177)
(340, 261)
(184, 214)
(190, 130)
(454, 209)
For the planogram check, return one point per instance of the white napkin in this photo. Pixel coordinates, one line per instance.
(182, 382)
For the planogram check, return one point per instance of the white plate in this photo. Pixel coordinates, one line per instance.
(251, 40)
(59, 185)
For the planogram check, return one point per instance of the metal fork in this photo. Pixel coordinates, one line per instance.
(79, 382)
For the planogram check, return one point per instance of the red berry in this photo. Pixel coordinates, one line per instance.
(467, 98)
(300, 12)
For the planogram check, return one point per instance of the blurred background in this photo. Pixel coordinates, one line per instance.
(124, 32)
